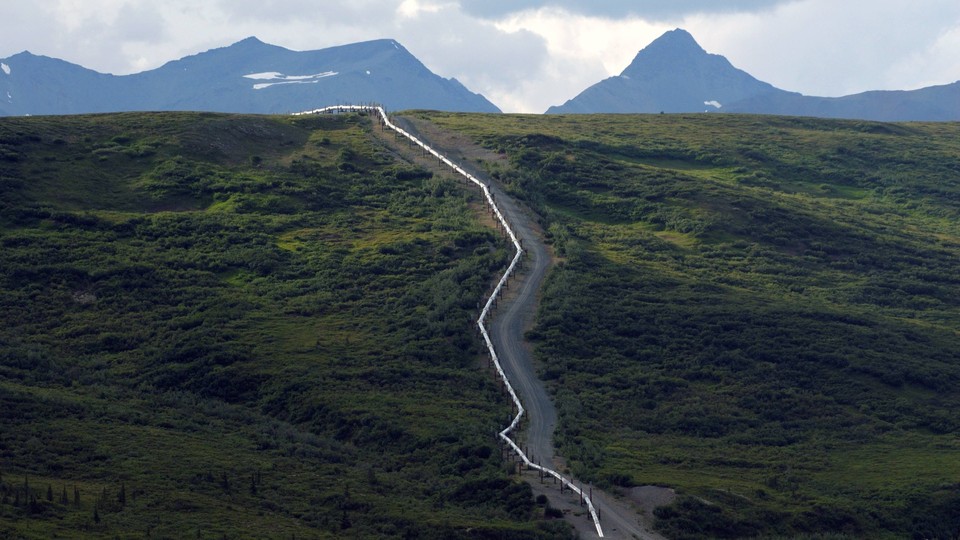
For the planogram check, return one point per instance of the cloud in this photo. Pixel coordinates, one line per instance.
(328, 12)
(937, 64)
(823, 47)
(140, 23)
(494, 61)
(24, 24)
(651, 10)
(582, 50)
(94, 33)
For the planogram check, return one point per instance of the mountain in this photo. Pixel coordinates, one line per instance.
(674, 74)
(934, 103)
(247, 77)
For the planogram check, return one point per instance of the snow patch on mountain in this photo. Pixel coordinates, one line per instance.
(280, 78)
(266, 75)
(5, 68)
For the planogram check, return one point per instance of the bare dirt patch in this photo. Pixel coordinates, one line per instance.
(456, 146)
(648, 498)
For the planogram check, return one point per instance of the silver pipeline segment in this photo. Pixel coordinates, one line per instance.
(486, 308)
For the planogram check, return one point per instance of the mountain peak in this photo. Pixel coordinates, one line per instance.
(252, 43)
(671, 74)
(672, 48)
(677, 38)
(252, 40)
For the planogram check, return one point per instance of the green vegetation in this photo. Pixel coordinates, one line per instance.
(221, 326)
(760, 312)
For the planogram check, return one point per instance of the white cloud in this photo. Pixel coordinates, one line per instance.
(582, 49)
(939, 63)
(823, 47)
(411, 9)
(493, 61)
(654, 10)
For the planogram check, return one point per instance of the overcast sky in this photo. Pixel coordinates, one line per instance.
(524, 55)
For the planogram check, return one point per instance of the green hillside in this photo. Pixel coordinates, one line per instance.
(220, 326)
(760, 312)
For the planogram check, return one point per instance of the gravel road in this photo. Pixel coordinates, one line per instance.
(514, 315)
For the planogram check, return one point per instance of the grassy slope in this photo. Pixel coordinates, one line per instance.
(761, 312)
(228, 326)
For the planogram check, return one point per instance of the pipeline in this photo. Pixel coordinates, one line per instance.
(505, 434)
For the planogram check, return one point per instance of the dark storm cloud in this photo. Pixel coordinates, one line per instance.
(650, 9)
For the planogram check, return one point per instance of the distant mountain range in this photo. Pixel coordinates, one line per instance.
(675, 75)
(249, 77)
